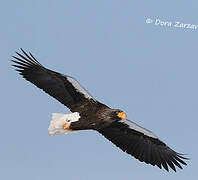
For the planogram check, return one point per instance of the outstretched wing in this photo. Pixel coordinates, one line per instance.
(142, 144)
(64, 88)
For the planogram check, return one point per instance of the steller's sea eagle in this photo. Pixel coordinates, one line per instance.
(90, 114)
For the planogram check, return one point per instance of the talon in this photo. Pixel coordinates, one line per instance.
(66, 126)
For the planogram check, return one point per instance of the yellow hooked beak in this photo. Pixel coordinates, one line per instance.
(122, 115)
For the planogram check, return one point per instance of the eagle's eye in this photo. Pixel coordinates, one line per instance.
(122, 115)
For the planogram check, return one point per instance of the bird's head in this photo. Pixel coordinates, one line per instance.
(120, 114)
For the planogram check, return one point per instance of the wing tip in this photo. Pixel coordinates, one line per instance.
(25, 60)
(175, 160)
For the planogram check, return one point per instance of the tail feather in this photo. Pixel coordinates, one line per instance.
(59, 120)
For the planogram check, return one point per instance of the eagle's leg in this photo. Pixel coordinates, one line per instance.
(60, 123)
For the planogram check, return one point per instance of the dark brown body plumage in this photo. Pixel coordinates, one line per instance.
(93, 115)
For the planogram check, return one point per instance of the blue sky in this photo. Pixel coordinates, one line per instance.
(149, 71)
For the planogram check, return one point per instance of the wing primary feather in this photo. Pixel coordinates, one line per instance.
(30, 57)
(20, 63)
(176, 163)
(168, 161)
(23, 57)
(182, 155)
(164, 164)
(156, 157)
(178, 159)
(20, 60)
(34, 59)
(27, 58)
(17, 66)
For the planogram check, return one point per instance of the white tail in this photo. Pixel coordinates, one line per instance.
(59, 120)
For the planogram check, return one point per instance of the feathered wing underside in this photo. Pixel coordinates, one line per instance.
(142, 144)
(64, 88)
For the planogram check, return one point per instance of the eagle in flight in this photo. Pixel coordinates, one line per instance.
(90, 114)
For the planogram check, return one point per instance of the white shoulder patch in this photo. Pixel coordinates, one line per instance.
(78, 87)
(58, 121)
(138, 128)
